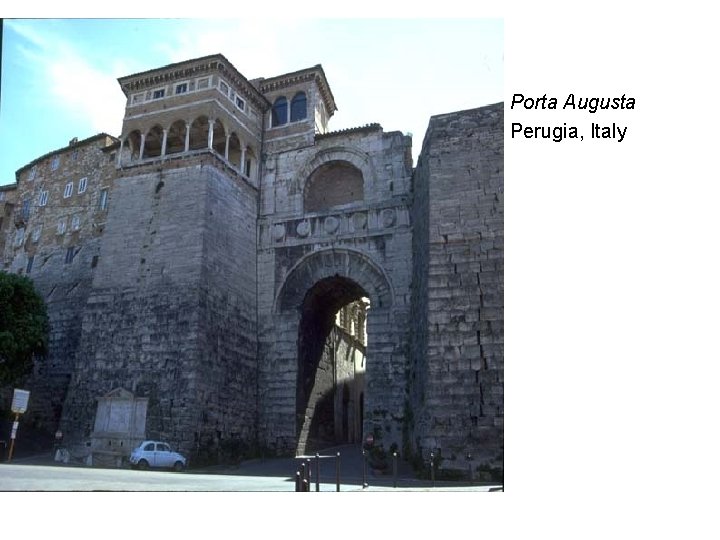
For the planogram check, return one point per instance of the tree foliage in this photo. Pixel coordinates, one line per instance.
(23, 327)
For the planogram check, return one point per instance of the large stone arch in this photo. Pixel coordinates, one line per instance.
(348, 154)
(325, 263)
(311, 292)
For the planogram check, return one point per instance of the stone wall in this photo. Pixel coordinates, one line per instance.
(171, 314)
(61, 262)
(457, 378)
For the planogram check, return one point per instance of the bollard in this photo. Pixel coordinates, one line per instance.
(337, 472)
(302, 476)
(306, 485)
(470, 476)
(298, 482)
(365, 484)
(317, 472)
(432, 468)
(394, 469)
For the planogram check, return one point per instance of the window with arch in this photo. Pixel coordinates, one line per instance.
(279, 112)
(333, 184)
(298, 107)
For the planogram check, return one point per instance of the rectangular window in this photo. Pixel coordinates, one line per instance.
(69, 255)
(2, 196)
(68, 190)
(55, 163)
(157, 94)
(224, 88)
(43, 198)
(28, 268)
(103, 202)
(138, 98)
(26, 209)
(19, 236)
(181, 88)
(61, 226)
(74, 155)
(203, 83)
(33, 173)
(82, 185)
(240, 103)
(36, 235)
(75, 223)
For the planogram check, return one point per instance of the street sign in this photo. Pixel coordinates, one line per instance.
(20, 401)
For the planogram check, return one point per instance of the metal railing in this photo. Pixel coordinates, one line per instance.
(304, 472)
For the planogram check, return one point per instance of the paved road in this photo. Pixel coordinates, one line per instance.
(42, 474)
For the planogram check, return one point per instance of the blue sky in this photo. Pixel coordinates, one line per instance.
(59, 76)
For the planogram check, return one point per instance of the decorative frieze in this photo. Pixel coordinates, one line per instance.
(336, 225)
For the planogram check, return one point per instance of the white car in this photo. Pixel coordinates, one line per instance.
(156, 454)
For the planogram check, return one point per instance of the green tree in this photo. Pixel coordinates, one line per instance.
(23, 327)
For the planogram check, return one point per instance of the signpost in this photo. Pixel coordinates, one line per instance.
(19, 406)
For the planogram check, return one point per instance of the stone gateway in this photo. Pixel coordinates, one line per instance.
(230, 276)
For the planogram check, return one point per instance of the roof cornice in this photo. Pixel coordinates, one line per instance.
(194, 68)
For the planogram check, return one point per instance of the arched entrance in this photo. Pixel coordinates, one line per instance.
(331, 364)
(319, 350)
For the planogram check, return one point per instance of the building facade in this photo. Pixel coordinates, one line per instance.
(260, 283)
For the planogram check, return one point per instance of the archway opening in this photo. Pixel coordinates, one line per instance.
(153, 142)
(332, 341)
(176, 138)
(334, 184)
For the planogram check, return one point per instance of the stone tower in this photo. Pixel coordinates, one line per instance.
(172, 312)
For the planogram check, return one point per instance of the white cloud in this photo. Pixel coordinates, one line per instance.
(69, 82)
(254, 46)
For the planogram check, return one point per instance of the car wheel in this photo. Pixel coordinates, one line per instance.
(142, 465)
(178, 466)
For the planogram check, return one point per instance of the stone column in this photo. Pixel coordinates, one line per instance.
(211, 124)
(164, 143)
(142, 145)
(227, 148)
(242, 161)
(187, 136)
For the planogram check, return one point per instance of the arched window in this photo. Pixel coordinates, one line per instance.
(279, 112)
(176, 137)
(298, 107)
(132, 145)
(199, 133)
(334, 184)
(153, 142)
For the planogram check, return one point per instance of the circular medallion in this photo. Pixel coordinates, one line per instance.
(331, 224)
(278, 232)
(388, 217)
(359, 221)
(303, 229)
